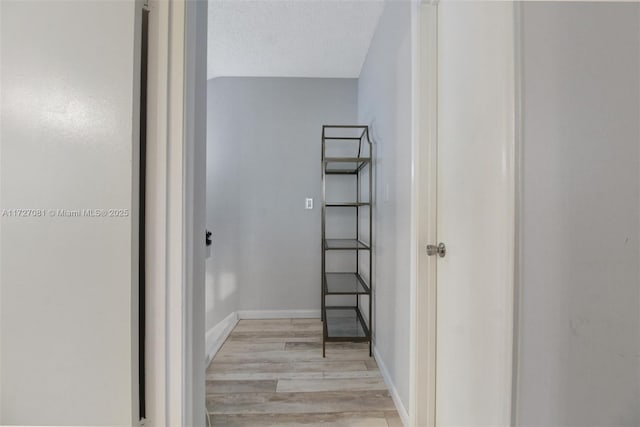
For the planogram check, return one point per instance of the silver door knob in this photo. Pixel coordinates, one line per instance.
(440, 250)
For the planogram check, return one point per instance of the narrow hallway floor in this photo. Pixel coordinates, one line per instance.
(271, 373)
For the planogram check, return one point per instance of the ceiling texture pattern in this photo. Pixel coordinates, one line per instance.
(290, 38)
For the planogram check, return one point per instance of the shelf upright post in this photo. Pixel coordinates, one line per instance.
(358, 219)
(370, 241)
(322, 240)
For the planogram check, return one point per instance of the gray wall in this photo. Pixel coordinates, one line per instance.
(384, 103)
(263, 160)
(579, 356)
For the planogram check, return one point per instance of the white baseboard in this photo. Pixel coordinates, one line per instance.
(217, 335)
(279, 314)
(402, 411)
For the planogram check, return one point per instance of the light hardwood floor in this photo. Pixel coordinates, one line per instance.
(270, 373)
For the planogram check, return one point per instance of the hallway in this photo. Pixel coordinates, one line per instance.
(271, 373)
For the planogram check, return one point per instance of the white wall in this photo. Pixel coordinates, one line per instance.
(263, 160)
(67, 290)
(579, 355)
(384, 103)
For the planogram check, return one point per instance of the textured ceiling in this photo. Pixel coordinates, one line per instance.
(290, 38)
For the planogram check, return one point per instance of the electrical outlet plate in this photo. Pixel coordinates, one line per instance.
(308, 203)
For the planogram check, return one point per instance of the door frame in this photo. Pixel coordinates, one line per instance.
(175, 237)
(173, 390)
(422, 383)
(175, 240)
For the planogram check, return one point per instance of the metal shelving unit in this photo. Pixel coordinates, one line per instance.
(346, 322)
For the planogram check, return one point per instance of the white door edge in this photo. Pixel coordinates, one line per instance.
(424, 216)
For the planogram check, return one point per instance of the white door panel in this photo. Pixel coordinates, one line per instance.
(69, 108)
(475, 212)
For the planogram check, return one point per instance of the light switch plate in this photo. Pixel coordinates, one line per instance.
(308, 203)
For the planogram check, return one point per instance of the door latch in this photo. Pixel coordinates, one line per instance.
(440, 250)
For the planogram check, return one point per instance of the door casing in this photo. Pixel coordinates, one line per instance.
(175, 239)
(173, 379)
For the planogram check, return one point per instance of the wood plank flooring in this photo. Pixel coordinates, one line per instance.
(271, 373)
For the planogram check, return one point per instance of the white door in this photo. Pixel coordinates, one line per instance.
(69, 166)
(475, 212)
